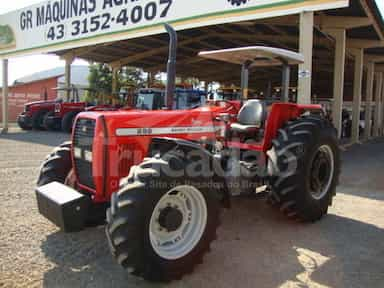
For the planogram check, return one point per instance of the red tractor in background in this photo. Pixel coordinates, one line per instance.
(165, 175)
(65, 112)
(34, 114)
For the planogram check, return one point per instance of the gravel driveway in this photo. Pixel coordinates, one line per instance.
(257, 247)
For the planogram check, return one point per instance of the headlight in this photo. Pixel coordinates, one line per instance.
(57, 108)
(26, 108)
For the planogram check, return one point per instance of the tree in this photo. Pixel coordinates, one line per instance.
(100, 80)
(130, 76)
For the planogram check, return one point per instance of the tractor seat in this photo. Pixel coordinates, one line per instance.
(251, 117)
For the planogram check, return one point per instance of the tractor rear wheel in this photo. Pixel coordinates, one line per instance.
(38, 119)
(159, 227)
(306, 164)
(67, 121)
(47, 124)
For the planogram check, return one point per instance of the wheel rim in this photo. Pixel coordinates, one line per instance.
(322, 170)
(178, 222)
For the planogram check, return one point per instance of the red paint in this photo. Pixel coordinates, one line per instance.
(21, 94)
(125, 151)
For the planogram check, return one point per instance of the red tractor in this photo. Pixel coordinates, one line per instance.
(165, 175)
(34, 114)
(65, 112)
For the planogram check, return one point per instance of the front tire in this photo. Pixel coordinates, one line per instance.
(67, 121)
(56, 166)
(47, 124)
(38, 119)
(22, 125)
(306, 165)
(153, 232)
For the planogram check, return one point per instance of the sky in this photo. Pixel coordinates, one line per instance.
(19, 67)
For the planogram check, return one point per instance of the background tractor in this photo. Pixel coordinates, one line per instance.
(64, 112)
(34, 114)
(166, 174)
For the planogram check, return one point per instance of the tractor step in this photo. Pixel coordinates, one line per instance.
(63, 206)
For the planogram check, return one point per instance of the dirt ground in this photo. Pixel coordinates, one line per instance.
(257, 247)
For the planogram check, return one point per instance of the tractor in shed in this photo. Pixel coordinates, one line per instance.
(164, 176)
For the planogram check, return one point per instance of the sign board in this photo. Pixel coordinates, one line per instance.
(63, 24)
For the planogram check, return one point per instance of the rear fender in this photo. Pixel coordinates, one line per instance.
(186, 150)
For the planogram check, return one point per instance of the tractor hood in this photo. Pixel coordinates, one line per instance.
(50, 102)
(157, 123)
(114, 141)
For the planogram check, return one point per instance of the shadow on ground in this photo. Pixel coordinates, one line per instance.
(47, 138)
(257, 247)
(362, 170)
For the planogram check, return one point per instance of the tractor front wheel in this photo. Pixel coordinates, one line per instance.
(305, 167)
(67, 121)
(38, 119)
(49, 125)
(160, 227)
(58, 167)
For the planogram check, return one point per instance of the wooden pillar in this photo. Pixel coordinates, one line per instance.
(368, 101)
(357, 88)
(381, 128)
(338, 78)
(306, 48)
(115, 78)
(379, 86)
(151, 79)
(5, 96)
(68, 63)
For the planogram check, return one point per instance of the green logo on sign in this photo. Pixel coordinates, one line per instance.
(7, 38)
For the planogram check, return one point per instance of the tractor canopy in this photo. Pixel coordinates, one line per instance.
(257, 56)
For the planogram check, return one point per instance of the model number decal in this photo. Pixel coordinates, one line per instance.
(165, 130)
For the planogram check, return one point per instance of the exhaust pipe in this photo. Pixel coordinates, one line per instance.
(171, 66)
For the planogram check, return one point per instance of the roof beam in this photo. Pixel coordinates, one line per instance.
(374, 58)
(364, 43)
(155, 51)
(342, 22)
(322, 20)
(73, 53)
(367, 11)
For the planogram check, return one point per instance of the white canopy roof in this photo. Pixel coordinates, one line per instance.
(257, 55)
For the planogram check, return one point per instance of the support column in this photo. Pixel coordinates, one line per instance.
(357, 88)
(338, 78)
(115, 84)
(68, 63)
(381, 128)
(379, 86)
(306, 48)
(5, 97)
(115, 75)
(368, 101)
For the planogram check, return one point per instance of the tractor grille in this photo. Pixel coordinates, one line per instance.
(82, 145)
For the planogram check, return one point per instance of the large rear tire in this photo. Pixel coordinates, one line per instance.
(306, 163)
(38, 119)
(47, 124)
(67, 121)
(160, 227)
